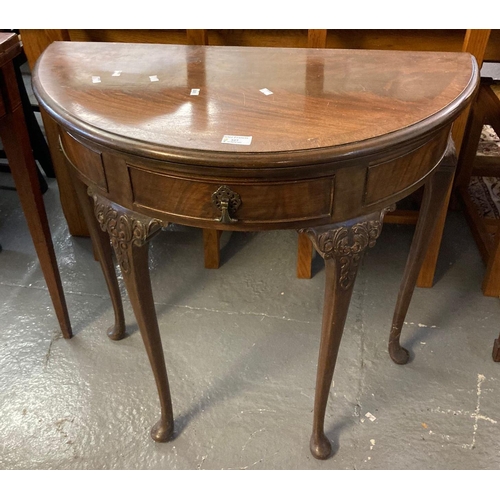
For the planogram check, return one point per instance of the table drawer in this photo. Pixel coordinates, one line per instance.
(261, 202)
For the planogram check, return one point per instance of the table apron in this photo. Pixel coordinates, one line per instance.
(333, 193)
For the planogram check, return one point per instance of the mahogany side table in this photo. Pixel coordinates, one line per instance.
(16, 143)
(239, 138)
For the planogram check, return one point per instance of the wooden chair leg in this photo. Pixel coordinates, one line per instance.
(428, 268)
(304, 257)
(471, 140)
(426, 275)
(491, 281)
(211, 243)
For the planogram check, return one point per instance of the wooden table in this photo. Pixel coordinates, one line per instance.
(16, 143)
(234, 138)
(482, 44)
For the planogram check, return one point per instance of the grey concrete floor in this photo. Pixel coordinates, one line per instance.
(241, 346)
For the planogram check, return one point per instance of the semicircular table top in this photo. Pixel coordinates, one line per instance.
(193, 100)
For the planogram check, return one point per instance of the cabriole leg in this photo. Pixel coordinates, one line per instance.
(342, 246)
(130, 233)
(102, 248)
(434, 197)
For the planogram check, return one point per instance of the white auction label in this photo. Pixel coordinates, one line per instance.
(96, 79)
(195, 92)
(266, 91)
(154, 78)
(117, 73)
(244, 140)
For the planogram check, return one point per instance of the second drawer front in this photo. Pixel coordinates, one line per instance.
(280, 202)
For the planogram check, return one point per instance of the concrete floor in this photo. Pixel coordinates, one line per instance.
(241, 346)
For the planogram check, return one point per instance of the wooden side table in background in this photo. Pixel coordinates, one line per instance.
(16, 143)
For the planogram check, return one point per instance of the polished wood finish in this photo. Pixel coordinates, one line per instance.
(338, 141)
(474, 42)
(481, 43)
(16, 143)
(298, 117)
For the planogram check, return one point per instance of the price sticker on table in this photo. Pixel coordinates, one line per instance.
(244, 140)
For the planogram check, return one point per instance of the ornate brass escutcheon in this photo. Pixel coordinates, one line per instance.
(227, 201)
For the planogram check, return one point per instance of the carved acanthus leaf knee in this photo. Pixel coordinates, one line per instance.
(346, 242)
(125, 228)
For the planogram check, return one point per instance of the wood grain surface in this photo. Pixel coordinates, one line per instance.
(362, 97)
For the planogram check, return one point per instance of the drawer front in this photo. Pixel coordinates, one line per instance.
(88, 162)
(250, 202)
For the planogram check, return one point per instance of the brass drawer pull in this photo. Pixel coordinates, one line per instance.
(227, 201)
